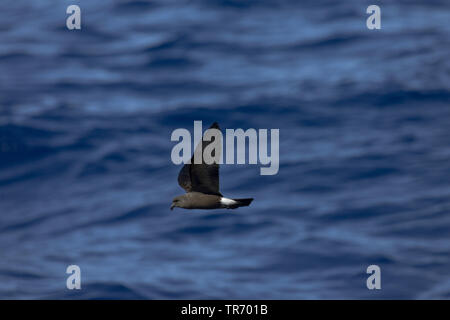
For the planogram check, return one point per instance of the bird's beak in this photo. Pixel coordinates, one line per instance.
(172, 206)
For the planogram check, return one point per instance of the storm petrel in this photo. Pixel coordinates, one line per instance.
(201, 182)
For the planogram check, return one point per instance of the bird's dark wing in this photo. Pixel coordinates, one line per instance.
(184, 178)
(201, 177)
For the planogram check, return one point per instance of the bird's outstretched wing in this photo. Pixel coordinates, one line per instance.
(201, 177)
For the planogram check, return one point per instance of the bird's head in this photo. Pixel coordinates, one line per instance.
(178, 202)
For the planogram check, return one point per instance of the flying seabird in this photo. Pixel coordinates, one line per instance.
(201, 182)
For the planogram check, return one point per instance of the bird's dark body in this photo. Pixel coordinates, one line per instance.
(198, 200)
(201, 182)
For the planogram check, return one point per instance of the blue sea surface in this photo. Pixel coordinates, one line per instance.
(86, 176)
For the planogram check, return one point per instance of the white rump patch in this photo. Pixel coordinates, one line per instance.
(227, 202)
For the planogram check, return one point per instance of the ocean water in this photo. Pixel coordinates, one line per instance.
(85, 170)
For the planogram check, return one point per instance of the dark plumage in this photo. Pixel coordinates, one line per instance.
(201, 182)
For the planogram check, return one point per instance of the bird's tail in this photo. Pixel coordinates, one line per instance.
(243, 202)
